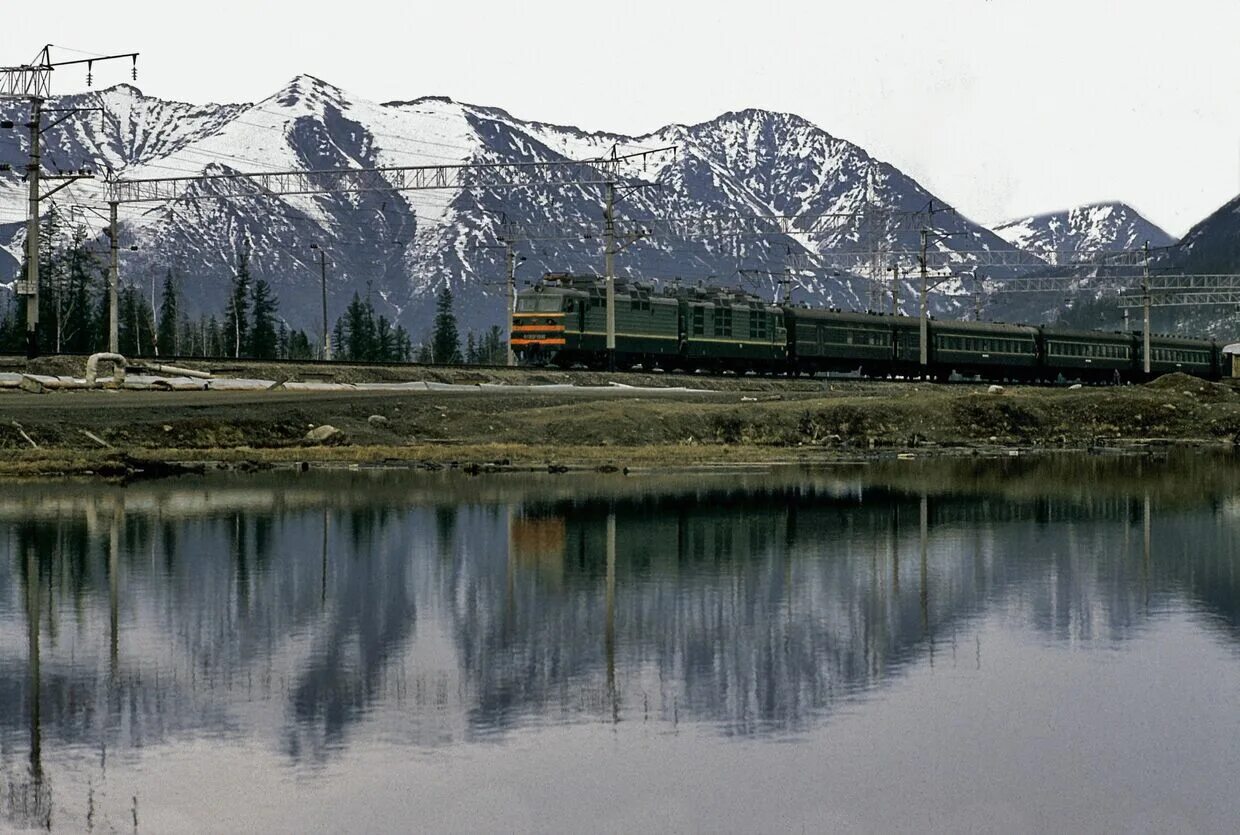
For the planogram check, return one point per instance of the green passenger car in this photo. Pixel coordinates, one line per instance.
(984, 347)
(1089, 355)
(830, 340)
(1199, 357)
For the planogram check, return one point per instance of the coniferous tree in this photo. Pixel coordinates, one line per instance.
(168, 331)
(385, 341)
(236, 315)
(52, 281)
(355, 342)
(425, 353)
(12, 331)
(445, 341)
(338, 345)
(496, 346)
(77, 326)
(299, 346)
(263, 338)
(404, 346)
(188, 342)
(136, 335)
(218, 345)
(471, 349)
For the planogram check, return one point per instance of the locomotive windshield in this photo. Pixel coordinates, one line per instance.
(539, 303)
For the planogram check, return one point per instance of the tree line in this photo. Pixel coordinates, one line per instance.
(73, 315)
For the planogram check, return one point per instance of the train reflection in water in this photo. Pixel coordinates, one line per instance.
(310, 614)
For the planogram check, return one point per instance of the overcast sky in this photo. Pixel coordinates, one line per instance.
(1001, 107)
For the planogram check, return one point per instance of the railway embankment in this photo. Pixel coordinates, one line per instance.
(497, 419)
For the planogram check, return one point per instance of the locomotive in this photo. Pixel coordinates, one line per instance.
(562, 321)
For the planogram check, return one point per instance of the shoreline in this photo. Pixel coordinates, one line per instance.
(488, 459)
(664, 425)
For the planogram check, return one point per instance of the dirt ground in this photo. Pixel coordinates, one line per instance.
(730, 420)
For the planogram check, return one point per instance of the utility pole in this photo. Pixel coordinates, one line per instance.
(32, 229)
(925, 322)
(895, 289)
(1145, 303)
(114, 278)
(612, 246)
(609, 270)
(327, 334)
(510, 296)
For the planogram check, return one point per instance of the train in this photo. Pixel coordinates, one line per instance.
(562, 321)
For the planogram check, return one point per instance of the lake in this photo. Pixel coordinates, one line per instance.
(995, 645)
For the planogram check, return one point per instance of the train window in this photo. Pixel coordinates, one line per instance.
(723, 321)
(540, 302)
(699, 321)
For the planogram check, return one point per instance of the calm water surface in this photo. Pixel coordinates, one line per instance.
(1005, 646)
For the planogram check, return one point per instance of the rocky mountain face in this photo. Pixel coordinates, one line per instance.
(1211, 246)
(402, 247)
(1056, 235)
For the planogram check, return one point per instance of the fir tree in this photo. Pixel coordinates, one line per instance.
(136, 336)
(12, 331)
(338, 345)
(445, 341)
(404, 345)
(471, 349)
(299, 346)
(77, 325)
(216, 343)
(168, 331)
(52, 283)
(236, 316)
(385, 342)
(263, 338)
(495, 347)
(188, 341)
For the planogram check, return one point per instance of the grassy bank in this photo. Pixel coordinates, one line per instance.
(78, 432)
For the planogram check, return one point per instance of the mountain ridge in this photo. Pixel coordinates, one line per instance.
(402, 247)
(1108, 224)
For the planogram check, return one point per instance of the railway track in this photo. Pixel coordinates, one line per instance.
(322, 367)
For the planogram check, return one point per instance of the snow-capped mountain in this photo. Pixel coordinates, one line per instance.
(402, 247)
(1098, 226)
(1212, 245)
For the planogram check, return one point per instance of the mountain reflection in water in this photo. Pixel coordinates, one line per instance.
(288, 612)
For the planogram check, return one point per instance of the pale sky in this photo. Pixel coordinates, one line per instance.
(1001, 107)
